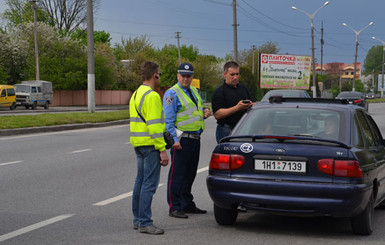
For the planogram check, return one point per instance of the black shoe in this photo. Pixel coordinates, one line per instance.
(178, 214)
(195, 210)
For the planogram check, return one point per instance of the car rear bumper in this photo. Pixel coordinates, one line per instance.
(289, 198)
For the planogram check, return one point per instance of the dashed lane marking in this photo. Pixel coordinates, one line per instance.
(34, 227)
(9, 163)
(79, 151)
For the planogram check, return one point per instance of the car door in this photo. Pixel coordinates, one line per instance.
(4, 99)
(379, 153)
(371, 157)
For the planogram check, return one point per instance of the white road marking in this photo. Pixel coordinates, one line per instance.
(128, 194)
(202, 170)
(9, 163)
(117, 198)
(84, 150)
(33, 227)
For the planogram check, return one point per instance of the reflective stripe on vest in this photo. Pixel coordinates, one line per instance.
(188, 110)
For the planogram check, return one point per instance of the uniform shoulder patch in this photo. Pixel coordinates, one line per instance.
(169, 100)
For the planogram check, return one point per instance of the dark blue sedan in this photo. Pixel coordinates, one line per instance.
(302, 157)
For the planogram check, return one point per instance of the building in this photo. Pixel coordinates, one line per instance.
(345, 71)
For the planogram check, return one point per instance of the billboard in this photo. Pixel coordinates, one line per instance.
(285, 71)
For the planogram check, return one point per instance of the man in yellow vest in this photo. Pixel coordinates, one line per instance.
(147, 126)
(184, 120)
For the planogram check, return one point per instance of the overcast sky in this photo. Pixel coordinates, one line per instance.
(207, 24)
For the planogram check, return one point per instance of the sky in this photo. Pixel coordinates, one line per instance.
(208, 25)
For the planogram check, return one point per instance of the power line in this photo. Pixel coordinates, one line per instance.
(272, 19)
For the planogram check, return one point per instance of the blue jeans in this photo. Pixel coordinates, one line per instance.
(146, 183)
(222, 131)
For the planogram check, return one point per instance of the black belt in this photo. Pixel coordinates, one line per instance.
(191, 136)
(226, 125)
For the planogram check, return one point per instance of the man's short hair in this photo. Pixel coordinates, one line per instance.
(148, 69)
(230, 64)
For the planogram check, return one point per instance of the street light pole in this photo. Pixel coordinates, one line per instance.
(36, 40)
(252, 69)
(355, 57)
(383, 54)
(311, 16)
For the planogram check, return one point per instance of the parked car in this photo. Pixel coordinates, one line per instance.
(281, 158)
(370, 95)
(285, 93)
(7, 96)
(356, 98)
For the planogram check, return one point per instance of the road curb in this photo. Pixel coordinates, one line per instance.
(32, 130)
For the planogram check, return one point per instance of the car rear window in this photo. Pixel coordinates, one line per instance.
(292, 121)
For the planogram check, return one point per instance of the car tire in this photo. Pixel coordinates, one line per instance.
(13, 106)
(34, 105)
(362, 224)
(46, 105)
(224, 216)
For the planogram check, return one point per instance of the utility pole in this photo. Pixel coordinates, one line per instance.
(235, 25)
(36, 40)
(253, 59)
(91, 57)
(322, 46)
(178, 37)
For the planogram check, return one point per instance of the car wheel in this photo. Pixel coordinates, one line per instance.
(225, 216)
(13, 106)
(34, 105)
(362, 224)
(46, 105)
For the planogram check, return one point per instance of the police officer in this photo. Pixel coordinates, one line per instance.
(147, 127)
(184, 120)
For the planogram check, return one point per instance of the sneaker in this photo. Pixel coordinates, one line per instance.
(151, 229)
(178, 214)
(136, 226)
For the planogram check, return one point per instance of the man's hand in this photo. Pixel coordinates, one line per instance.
(206, 113)
(177, 146)
(243, 106)
(163, 158)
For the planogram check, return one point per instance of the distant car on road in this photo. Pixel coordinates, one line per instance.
(370, 95)
(285, 93)
(356, 98)
(301, 157)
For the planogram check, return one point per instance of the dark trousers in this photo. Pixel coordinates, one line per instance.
(184, 164)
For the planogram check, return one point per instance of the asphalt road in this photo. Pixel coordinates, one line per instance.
(75, 187)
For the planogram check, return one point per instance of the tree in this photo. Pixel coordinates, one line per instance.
(21, 11)
(373, 59)
(65, 15)
(207, 69)
(99, 36)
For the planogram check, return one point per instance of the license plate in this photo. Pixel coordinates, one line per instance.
(280, 166)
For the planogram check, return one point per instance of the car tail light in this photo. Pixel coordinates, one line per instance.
(226, 161)
(357, 102)
(340, 168)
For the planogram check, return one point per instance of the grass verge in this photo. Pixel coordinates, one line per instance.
(52, 119)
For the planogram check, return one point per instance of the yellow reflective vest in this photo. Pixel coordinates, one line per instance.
(148, 103)
(190, 116)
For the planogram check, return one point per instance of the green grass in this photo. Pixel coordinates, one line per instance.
(382, 100)
(51, 119)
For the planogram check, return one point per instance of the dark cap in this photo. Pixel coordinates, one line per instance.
(186, 69)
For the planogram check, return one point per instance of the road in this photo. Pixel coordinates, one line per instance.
(75, 187)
